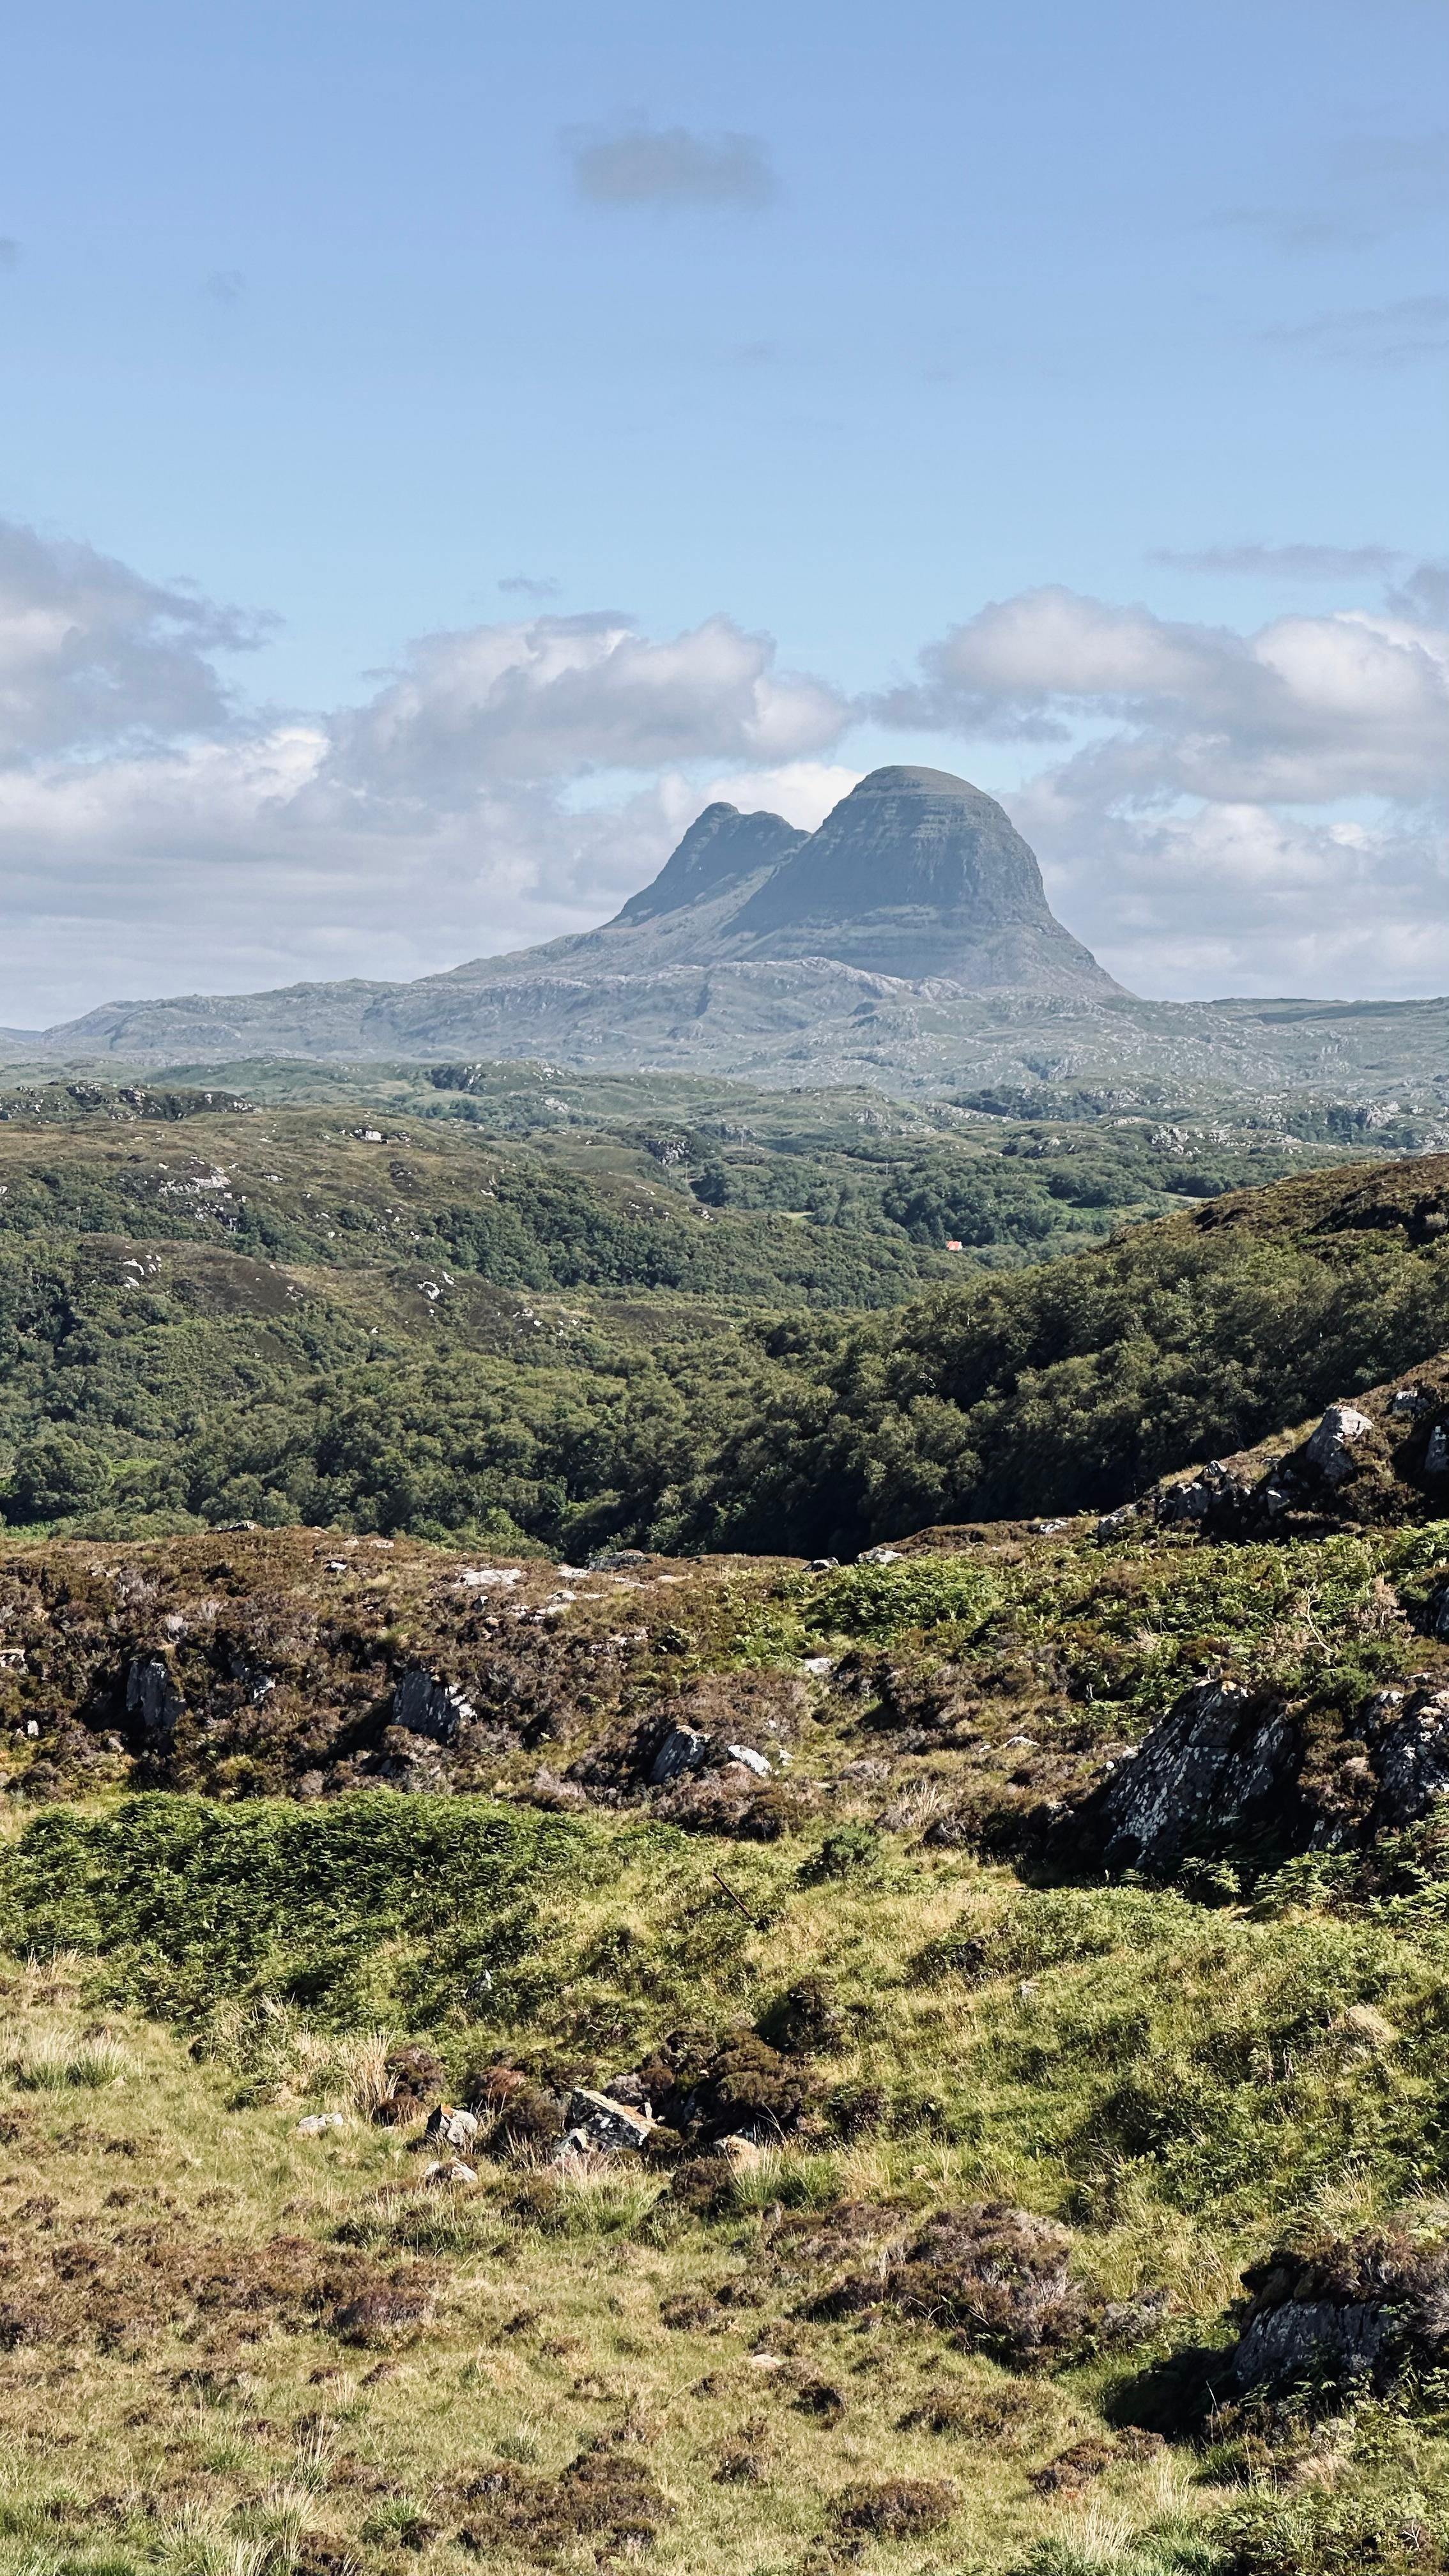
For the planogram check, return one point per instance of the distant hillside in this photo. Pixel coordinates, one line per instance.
(736, 1327)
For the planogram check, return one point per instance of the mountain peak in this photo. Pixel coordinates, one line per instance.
(919, 874)
(719, 846)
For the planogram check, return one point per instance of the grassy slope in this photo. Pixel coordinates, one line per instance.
(1176, 2084)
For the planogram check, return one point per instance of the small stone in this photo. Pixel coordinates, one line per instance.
(752, 1760)
(818, 1666)
(455, 2128)
(317, 2123)
(488, 1578)
(438, 2176)
(744, 2154)
(881, 1556)
(1405, 1399)
(822, 1565)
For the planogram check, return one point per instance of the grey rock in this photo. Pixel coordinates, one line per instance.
(752, 1760)
(1405, 1399)
(1330, 1448)
(682, 1750)
(318, 2123)
(1217, 1761)
(1436, 1455)
(601, 2126)
(153, 1700)
(455, 2128)
(428, 1707)
(882, 1556)
(1310, 2339)
(1413, 1763)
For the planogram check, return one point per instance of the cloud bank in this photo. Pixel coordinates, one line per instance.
(1226, 812)
(1216, 810)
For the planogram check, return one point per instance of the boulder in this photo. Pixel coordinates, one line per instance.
(1219, 1762)
(1330, 1448)
(426, 1706)
(152, 1700)
(682, 1750)
(1343, 2317)
(317, 2124)
(451, 2127)
(1413, 1763)
(438, 2174)
(752, 1760)
(597, 2124)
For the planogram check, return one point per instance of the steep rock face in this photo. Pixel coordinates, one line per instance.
(719, 848)
(917, 874)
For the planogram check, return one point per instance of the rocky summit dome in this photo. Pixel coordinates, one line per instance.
(917, 873)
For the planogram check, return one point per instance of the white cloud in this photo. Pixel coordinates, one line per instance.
(1257, 812)
(1213, 809)
(90, 652)
(154, 840)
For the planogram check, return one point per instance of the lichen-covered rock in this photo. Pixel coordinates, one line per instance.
(1221, 1762)
(1413, 1761)
(1343, 2317)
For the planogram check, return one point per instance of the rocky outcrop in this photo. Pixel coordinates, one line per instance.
(1384, 1457)
(423, 1705)
(1340, 2318)
(154, 1705)
(1221, 1766)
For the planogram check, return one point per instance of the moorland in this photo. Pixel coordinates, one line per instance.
(1013, 1961)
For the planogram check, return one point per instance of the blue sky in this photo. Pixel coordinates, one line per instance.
(835, 324)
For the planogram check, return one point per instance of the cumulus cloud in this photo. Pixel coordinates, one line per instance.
(92, 653)
(1215, 809)
(1308, 709)
(669, 166)
(505, 782)
(1255, 811)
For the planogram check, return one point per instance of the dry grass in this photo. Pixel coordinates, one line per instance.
(252, 2352)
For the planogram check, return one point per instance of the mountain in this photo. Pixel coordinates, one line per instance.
(918, 875)
(719, 849)
(915, 879)
(907, 945)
